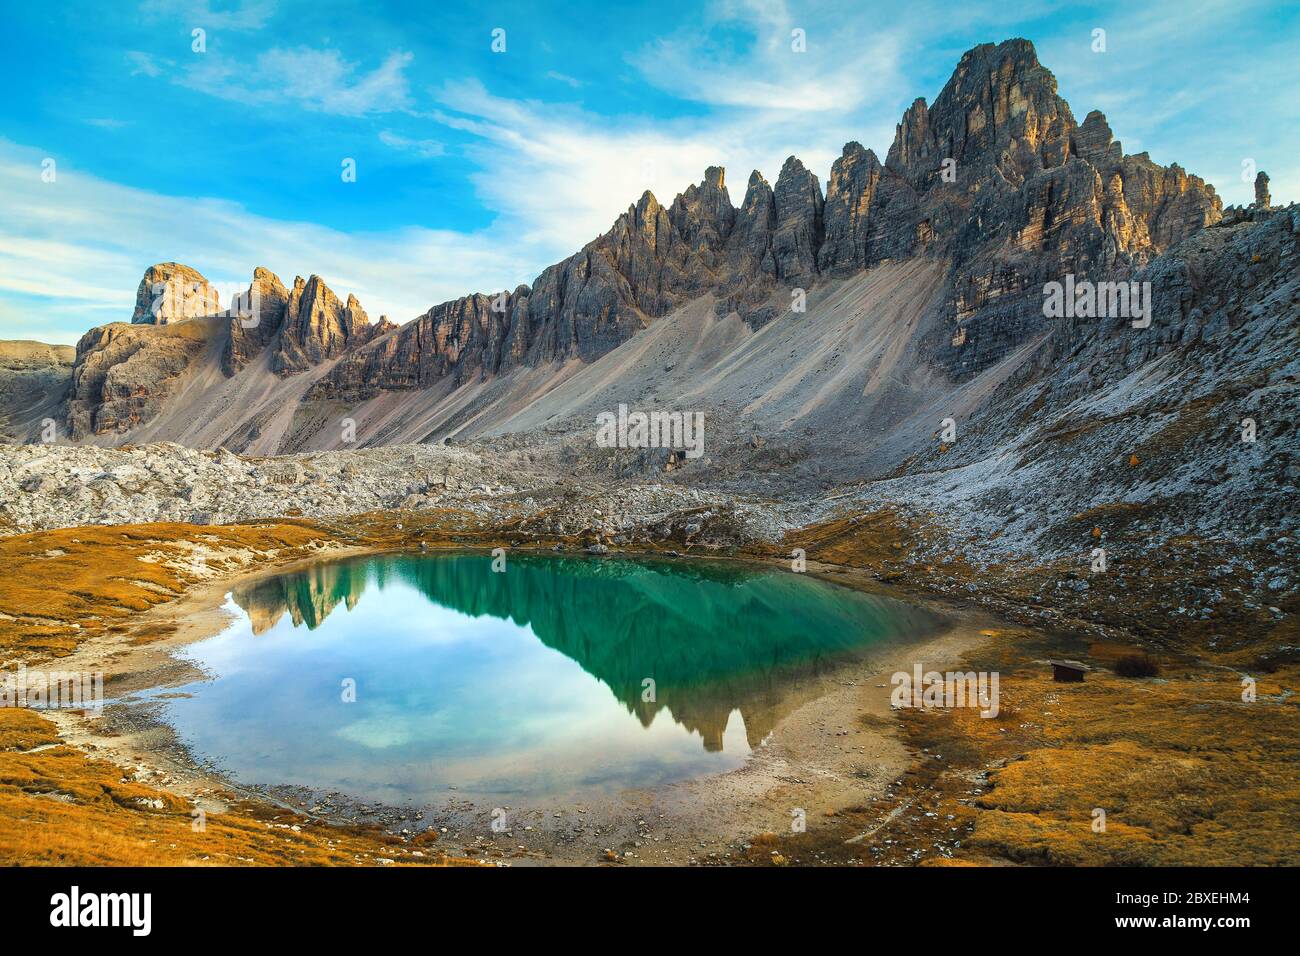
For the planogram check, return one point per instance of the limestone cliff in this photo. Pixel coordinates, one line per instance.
(170, 292)
(995, 180)
(34, 378)
(317, 327)
(123, 374)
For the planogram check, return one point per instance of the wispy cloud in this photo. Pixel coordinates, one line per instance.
(424, 148)
(249, 15)
(810, 61)
(563, 78)
(319, 80)
(76, 248)
(559, 176)
(143, 64)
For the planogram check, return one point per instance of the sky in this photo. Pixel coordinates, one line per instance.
(490, 140)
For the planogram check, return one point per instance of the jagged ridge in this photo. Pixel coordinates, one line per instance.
(996, 179)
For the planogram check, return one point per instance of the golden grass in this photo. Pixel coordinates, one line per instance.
(1186, 771)
(58, 588)
(874, 540)
(60, 808)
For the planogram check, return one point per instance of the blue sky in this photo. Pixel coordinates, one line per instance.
(476, 169)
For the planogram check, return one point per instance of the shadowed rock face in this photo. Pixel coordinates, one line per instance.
(123, 374)
(34, 379)
(798, 236)
(996, 179)
(1262, 198)
(855, 176)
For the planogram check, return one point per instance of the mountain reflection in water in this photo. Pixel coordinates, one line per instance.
(715, 637)
(526, 683)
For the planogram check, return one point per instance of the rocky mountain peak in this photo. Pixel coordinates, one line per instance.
(318, 327)
(170, 291)
(256, 319)
(798, 199)
(912, 141)
(1095, 142)
(749, 248)
(703, 215)
(999, 109)
(850, 192)
(759, 204)
(647, 207)
(1262, 197)
(993, 180)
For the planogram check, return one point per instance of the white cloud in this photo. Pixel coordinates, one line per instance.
(250, 15)
(559, 176)
(424, 148)
(563, 78)
(142, 63)
(838, 68)
(72, 252)
(317, 80)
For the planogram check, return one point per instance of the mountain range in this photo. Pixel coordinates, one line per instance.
(843, 324)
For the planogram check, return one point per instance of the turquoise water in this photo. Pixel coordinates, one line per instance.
(532, 682)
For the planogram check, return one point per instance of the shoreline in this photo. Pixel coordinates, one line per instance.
(940, 786)
(711, 814)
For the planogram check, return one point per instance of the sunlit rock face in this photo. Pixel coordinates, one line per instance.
(258, 320)
(318, 327)
(170, 292)
(995, 179)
